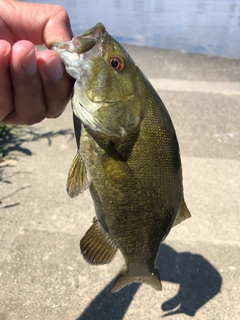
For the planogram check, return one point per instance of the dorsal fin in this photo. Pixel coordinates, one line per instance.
(77, 180)
(97, 246)
(182, 214)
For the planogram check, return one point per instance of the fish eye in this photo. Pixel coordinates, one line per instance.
(117, 63)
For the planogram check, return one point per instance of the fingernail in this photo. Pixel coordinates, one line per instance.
(29, 63)
(53, 69)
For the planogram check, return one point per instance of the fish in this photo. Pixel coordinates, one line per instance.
(127, 155)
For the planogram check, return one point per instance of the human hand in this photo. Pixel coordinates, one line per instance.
(33, 85)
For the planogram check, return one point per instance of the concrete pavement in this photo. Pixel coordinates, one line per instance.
(42, 274)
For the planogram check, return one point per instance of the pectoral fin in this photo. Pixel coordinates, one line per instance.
(96, 246)
(117, 172)
(182, 214)
(77, 180)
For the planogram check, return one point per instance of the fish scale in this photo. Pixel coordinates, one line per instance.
(128, 156)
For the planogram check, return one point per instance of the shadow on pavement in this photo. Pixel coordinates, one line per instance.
(12, 143)
(109, 306)
(13, 139)
(198, 283)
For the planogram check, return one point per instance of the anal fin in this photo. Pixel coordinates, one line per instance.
(77, 180)
(183, 213)
(96, 246)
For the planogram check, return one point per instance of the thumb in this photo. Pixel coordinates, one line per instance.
(57, 27)
(37, 23)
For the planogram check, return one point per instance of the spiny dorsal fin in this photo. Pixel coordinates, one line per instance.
(77, 180)
(182, 214)
(96, 246)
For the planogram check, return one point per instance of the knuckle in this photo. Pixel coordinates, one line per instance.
(33, 119)
(56, 110)
(61, 13)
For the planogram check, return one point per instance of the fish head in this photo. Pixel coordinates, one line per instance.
(106, 95)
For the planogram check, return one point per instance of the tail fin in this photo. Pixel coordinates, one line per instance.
(125, 278)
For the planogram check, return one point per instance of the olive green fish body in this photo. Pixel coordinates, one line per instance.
(130, 194)
(129, 158)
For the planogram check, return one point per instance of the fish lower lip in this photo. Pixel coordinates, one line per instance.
(82, 45)
(96, 32)
(86, 41)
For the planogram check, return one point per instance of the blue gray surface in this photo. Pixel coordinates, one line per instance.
(200, 26)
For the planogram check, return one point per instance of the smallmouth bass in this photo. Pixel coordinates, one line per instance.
(128, 156)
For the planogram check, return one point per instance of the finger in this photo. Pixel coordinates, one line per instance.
(38, 23)
(57, 85)
(29, 103)
(57, 27)
(6, 97)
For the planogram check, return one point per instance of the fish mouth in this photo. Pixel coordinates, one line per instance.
(82, 43)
